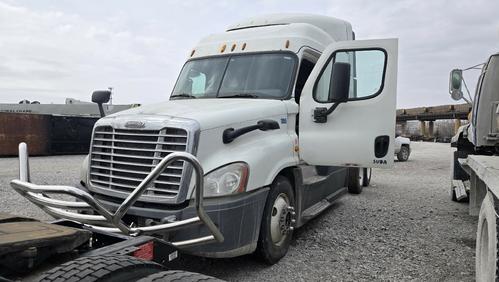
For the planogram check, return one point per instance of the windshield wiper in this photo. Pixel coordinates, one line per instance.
(241, 95)
(183, 95)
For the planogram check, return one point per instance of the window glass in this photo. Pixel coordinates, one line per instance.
(198, 84)
(366, 78)
(267, 76)
(201, 77)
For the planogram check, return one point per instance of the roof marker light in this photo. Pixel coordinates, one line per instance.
(193, 51)
(233, 47)
(287, 44)
(222, 49)
(244, 46)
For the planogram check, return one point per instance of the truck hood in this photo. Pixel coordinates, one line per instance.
(211, 113)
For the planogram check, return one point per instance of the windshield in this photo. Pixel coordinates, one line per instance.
(267, 76)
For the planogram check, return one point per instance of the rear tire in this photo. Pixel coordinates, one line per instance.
(102, 269)
(277, 222)
(403, 154)
(486, 242)
(366, 179)
(355, 180)
(178, 276)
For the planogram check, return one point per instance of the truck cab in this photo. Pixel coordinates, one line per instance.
(282, 112)
(481, 135)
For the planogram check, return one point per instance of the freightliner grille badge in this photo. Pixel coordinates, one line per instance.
(135, 124)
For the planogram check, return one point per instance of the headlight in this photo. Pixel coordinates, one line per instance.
(226, 180)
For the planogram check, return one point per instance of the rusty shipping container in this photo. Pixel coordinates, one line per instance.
(45, 134)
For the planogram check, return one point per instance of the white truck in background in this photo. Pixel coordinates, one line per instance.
(402, 148)
(284, 113)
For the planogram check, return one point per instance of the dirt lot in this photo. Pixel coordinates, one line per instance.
(404, 227)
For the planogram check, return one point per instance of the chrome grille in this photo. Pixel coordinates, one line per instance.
(121, 159)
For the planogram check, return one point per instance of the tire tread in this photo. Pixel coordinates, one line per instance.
(178, 276)
(95, 268)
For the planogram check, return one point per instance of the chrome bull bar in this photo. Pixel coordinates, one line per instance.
(106, 220)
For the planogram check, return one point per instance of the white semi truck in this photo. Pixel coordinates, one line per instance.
(475, 166)
(283, 113)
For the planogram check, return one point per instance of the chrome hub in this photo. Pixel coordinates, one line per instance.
(282, 219)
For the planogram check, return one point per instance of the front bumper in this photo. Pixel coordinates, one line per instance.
(100, 217)
(237, 217)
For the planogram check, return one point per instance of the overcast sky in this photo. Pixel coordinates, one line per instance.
(50, 50)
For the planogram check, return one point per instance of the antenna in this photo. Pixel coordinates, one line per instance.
(111, 97)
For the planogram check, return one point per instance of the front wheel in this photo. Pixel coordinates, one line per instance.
(403, 154)
(277, 222)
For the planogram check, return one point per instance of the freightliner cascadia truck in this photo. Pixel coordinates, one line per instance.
(280, 114)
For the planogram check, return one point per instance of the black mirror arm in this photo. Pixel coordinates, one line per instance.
(230, 133)
(101, 110)
(321, 113)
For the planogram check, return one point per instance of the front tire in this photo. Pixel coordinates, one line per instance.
(486, 241)
(277, 222)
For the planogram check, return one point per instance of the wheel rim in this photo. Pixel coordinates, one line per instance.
(405, 154)
(280, 220)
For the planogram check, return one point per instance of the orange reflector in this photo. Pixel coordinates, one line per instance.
(145, 251)
(222, 49)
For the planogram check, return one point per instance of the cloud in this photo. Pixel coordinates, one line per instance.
(68, 48)
(434, 37)
(66, 54)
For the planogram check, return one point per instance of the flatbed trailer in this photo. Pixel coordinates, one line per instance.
(484, 203)
(88, 241)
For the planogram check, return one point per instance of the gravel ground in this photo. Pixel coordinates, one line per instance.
(403, 227)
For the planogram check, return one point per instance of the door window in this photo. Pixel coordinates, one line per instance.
(367, 69)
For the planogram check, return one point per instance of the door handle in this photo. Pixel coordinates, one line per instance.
(381, 144)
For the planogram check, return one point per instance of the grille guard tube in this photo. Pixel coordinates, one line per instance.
(106, 220)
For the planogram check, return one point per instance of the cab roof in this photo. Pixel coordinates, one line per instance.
(281, 32)
(338, 29)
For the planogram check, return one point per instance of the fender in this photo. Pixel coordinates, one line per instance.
(266, 152)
